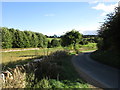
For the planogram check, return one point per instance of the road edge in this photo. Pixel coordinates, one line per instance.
(86, 77)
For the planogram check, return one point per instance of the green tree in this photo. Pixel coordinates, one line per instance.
(34, 40)
(45, 42)
(25, 40)
(6, 38)
(12, 31)
(29, 36)
(40, 40)
(71, 37)
(109, 31)
(55, 43)
(83, 42)
(19, 42)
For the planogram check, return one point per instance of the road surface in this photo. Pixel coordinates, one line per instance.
(95, 73)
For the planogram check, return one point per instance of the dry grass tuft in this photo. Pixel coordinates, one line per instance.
(17, 80)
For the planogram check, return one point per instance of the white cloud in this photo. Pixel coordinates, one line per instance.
(49, 15)
(105, 8)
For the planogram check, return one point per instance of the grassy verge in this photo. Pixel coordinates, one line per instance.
(57, 72)
(110, 58)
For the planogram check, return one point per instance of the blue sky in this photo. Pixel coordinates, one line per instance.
(52, 18)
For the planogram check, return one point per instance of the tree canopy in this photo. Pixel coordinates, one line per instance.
(109, 32)
(71, 37)
(14, 38)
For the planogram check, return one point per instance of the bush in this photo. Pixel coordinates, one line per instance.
(55, 43)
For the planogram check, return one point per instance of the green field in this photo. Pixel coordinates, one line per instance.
(50, 39)
(28, 54)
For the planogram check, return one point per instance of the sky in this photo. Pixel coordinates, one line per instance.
(57, 18)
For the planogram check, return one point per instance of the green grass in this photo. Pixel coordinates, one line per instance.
(110, 58)
(81, 48)
(89, 46)
(28, 54)
(55, 84)
(53, 38)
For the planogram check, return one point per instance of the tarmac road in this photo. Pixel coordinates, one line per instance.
(95, 73)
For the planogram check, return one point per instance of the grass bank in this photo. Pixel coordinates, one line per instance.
(110, 58)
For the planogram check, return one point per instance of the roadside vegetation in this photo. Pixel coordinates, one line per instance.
(110, 57)
(54, 71)
(58, 72)
(108, 45)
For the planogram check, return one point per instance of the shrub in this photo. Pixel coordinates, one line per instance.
(55, 43)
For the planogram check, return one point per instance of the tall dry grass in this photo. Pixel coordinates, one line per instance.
(17, 80)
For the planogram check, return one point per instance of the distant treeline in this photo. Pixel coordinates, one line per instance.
(14, 38)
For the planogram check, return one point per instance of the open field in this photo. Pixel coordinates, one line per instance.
(28, 54)
(50, 39)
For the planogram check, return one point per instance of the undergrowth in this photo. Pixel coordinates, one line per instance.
(110, 58)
